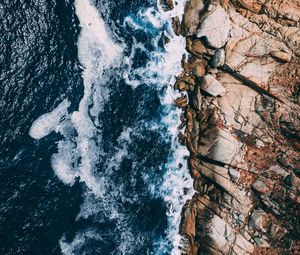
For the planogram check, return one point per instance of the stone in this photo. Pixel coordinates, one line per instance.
(282, 56)
(195, 47)
(181, 102)
(260, 186)
(167, 5)
(219, 58)
(252, 5)
(277, 231)
(234, 174)
(176, 25)
(244, 142)
(241, 243)
(212, 86)
(215, 28)
(261, 242)
(188, 225)
(279, 171)
(199, 70)
(181, 85)
(257, 220)
(190, 20)
(219, 234)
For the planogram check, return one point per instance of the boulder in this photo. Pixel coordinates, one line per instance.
(260, 186)
(199, 69)
(215, 28)
(190, 20)
(212, 86)
(219, 58)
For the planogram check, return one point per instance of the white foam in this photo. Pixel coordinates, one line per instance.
(79, 152)
(97, 53)
(48, 122)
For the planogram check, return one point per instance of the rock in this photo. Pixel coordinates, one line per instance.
(190, 20)
(176, 25)
(244, 142)
(188, 225)
(167, 5)
(279, 171)
(195, 47)
(252, 5)
(219, 58)
(220, 233)
(181, 85)
(277, 231)
(261, 242)
(234, 174)
(224, 148)
(199, 69)
(257, 220)
(242, 245)
(212, 86)
(260, 186)
(215, 28)
(282, 56)
(181, 102)
(197, 98)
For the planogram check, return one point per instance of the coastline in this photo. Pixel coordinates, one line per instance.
(241, 116)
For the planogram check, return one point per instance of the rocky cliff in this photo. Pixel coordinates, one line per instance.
(240, 87)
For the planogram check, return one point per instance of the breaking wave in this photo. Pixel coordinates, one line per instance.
(122, 141)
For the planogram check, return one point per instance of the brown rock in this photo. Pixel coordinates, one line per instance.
(252, 5)
(199, 69)
(181, 102)
(190, 21)
(176, 25)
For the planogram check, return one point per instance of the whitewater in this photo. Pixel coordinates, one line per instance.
(113, 204)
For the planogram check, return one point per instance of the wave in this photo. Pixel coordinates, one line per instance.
(116, 199)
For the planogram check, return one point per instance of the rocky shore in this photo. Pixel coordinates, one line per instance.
(240, 87)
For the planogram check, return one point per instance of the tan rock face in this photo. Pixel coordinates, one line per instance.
(242, 118)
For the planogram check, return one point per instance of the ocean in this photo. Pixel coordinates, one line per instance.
(90, 161)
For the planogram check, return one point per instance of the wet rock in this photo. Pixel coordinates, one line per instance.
(199, 70)
(176, 25)
(219, 58)
(188, 224)
(212, 86)
(234, 174)
(191, 16)
(215, 28)
(181, 102)
(167, 5)
(181, 85)
(195, 47)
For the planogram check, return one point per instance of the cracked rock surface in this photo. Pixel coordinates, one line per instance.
(240, 89)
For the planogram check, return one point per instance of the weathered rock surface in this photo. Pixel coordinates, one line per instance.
(242, 118)
(215, 27)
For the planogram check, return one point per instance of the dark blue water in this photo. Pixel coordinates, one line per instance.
(114, 206)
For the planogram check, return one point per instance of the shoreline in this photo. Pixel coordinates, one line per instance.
(241, 126)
